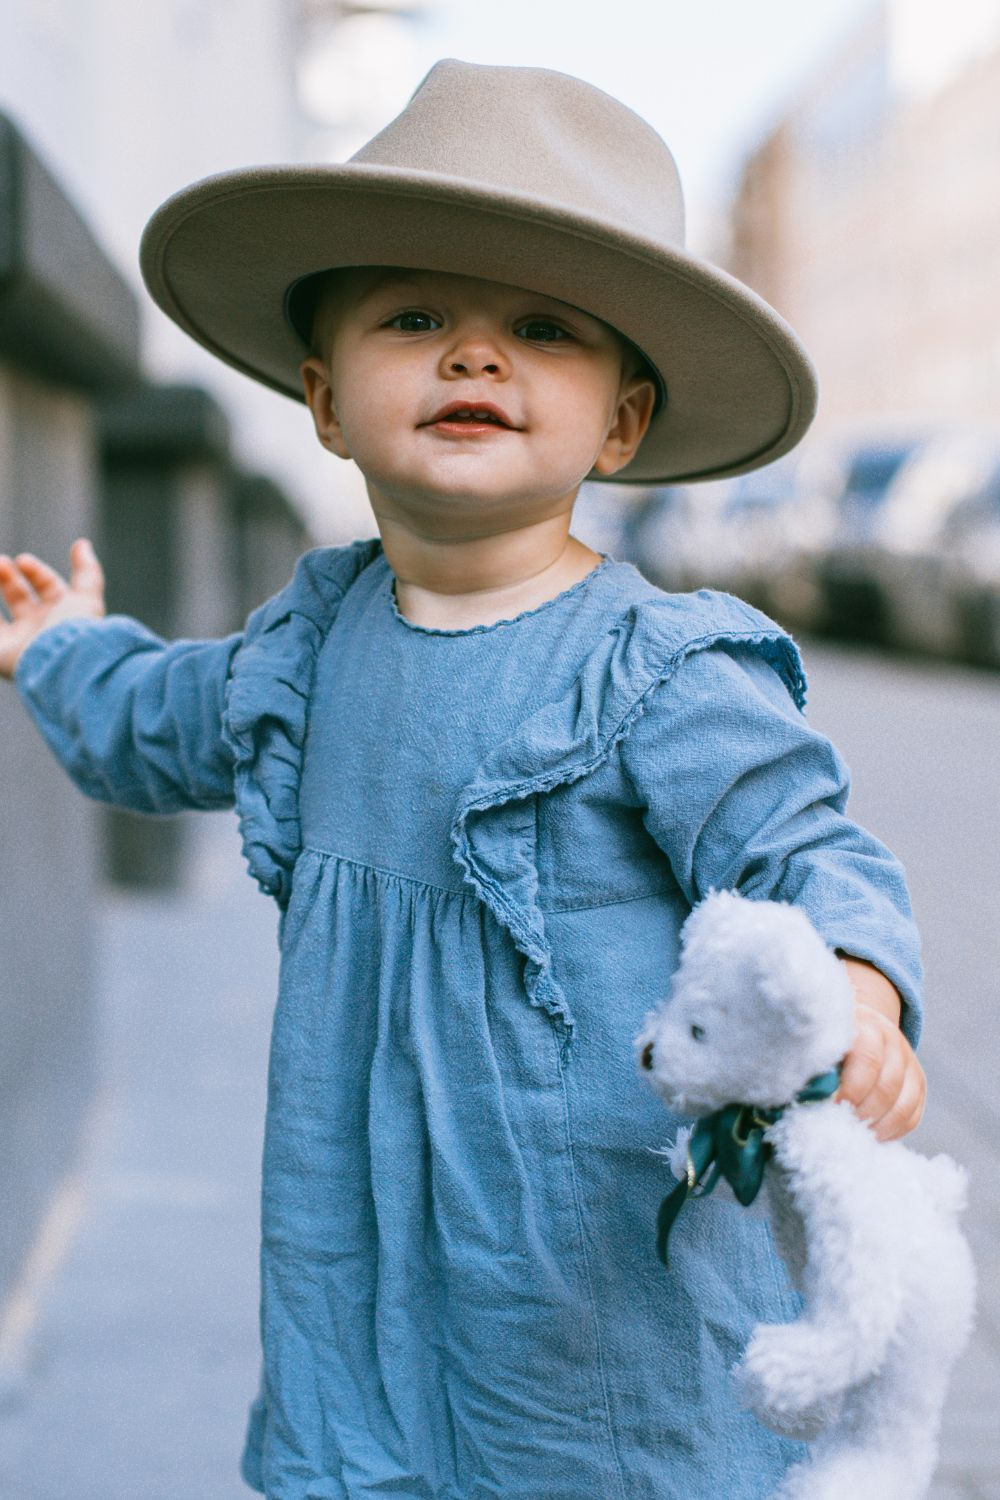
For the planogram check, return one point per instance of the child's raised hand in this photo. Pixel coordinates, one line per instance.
(36, 596)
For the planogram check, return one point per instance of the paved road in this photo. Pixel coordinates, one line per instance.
(129, 1361)
(923, 744)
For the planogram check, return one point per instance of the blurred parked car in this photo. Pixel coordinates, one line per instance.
(893, 537)
(678, 539)
(851, 597)
(756, 521)
(755, 536)
(794, 594)
(912, 556)
(972, 552)
(605, 515)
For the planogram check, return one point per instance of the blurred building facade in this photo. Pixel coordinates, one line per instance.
(358, 63)
(128, 103)
(869, 218)
(69, 339)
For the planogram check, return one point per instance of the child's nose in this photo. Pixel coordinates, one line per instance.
(476, 354)
(473, 366)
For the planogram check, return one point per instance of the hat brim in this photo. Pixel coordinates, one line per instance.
(219, 257)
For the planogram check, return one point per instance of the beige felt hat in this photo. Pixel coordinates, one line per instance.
(517, 175)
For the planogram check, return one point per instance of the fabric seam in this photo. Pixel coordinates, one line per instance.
(591, 1297)
(494, 624)
(467, 895)
(558, 911)
(362, 864)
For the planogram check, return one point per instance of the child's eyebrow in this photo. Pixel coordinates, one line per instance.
(390, 280)
(393, 279)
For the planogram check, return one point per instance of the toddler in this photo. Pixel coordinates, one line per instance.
(486, 772)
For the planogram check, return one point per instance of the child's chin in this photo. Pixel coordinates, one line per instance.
(464, 484)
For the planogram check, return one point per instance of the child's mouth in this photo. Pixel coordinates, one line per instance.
(471, 419)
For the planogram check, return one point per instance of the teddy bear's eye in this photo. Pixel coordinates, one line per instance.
(697, 1032)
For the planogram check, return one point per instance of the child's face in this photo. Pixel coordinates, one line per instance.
(409, 359)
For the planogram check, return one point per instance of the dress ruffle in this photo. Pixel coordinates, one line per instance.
(267, 706)
(494, 829)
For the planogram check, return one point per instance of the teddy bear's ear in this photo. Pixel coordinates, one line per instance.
(803, 979)
(770, 952)
(714, 922)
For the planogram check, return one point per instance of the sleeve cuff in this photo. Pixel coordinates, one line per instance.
(898, 973)
(48, 644)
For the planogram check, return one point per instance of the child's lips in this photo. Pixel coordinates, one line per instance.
(468, 429)
(468, 419)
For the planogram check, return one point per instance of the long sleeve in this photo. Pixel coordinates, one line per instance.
(134, 721)
(742, 794)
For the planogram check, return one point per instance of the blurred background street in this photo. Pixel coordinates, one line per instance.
(842, 159)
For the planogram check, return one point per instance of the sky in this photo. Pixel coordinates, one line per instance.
(709, 76)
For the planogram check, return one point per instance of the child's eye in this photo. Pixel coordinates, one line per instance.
(413, 321)
(542, 331)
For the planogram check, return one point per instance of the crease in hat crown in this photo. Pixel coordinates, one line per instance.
(544, 134)
(517, 175)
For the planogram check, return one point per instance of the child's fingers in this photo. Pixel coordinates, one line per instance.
(882, 1078)
(86, 573)
(906, 1113)
(48, 585)
(12, 585)
(884, 1093)
(18, 595)
(863, 1064)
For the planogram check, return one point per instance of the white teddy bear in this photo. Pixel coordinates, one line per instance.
(759, 1007)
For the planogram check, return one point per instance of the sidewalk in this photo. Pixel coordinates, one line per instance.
(134, 1370)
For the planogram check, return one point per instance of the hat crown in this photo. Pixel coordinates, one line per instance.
(533, 131)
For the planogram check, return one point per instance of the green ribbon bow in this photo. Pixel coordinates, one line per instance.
(730, 1143)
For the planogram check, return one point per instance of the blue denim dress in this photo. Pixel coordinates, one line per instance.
(484, 843)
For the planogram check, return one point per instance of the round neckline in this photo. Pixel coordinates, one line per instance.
(525, 614)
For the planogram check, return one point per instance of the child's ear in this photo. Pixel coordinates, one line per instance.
(319, 399)
(635, 408)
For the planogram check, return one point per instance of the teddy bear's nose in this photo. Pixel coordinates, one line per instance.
(647, 1055)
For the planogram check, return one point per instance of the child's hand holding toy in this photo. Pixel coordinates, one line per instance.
(881, 1075)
